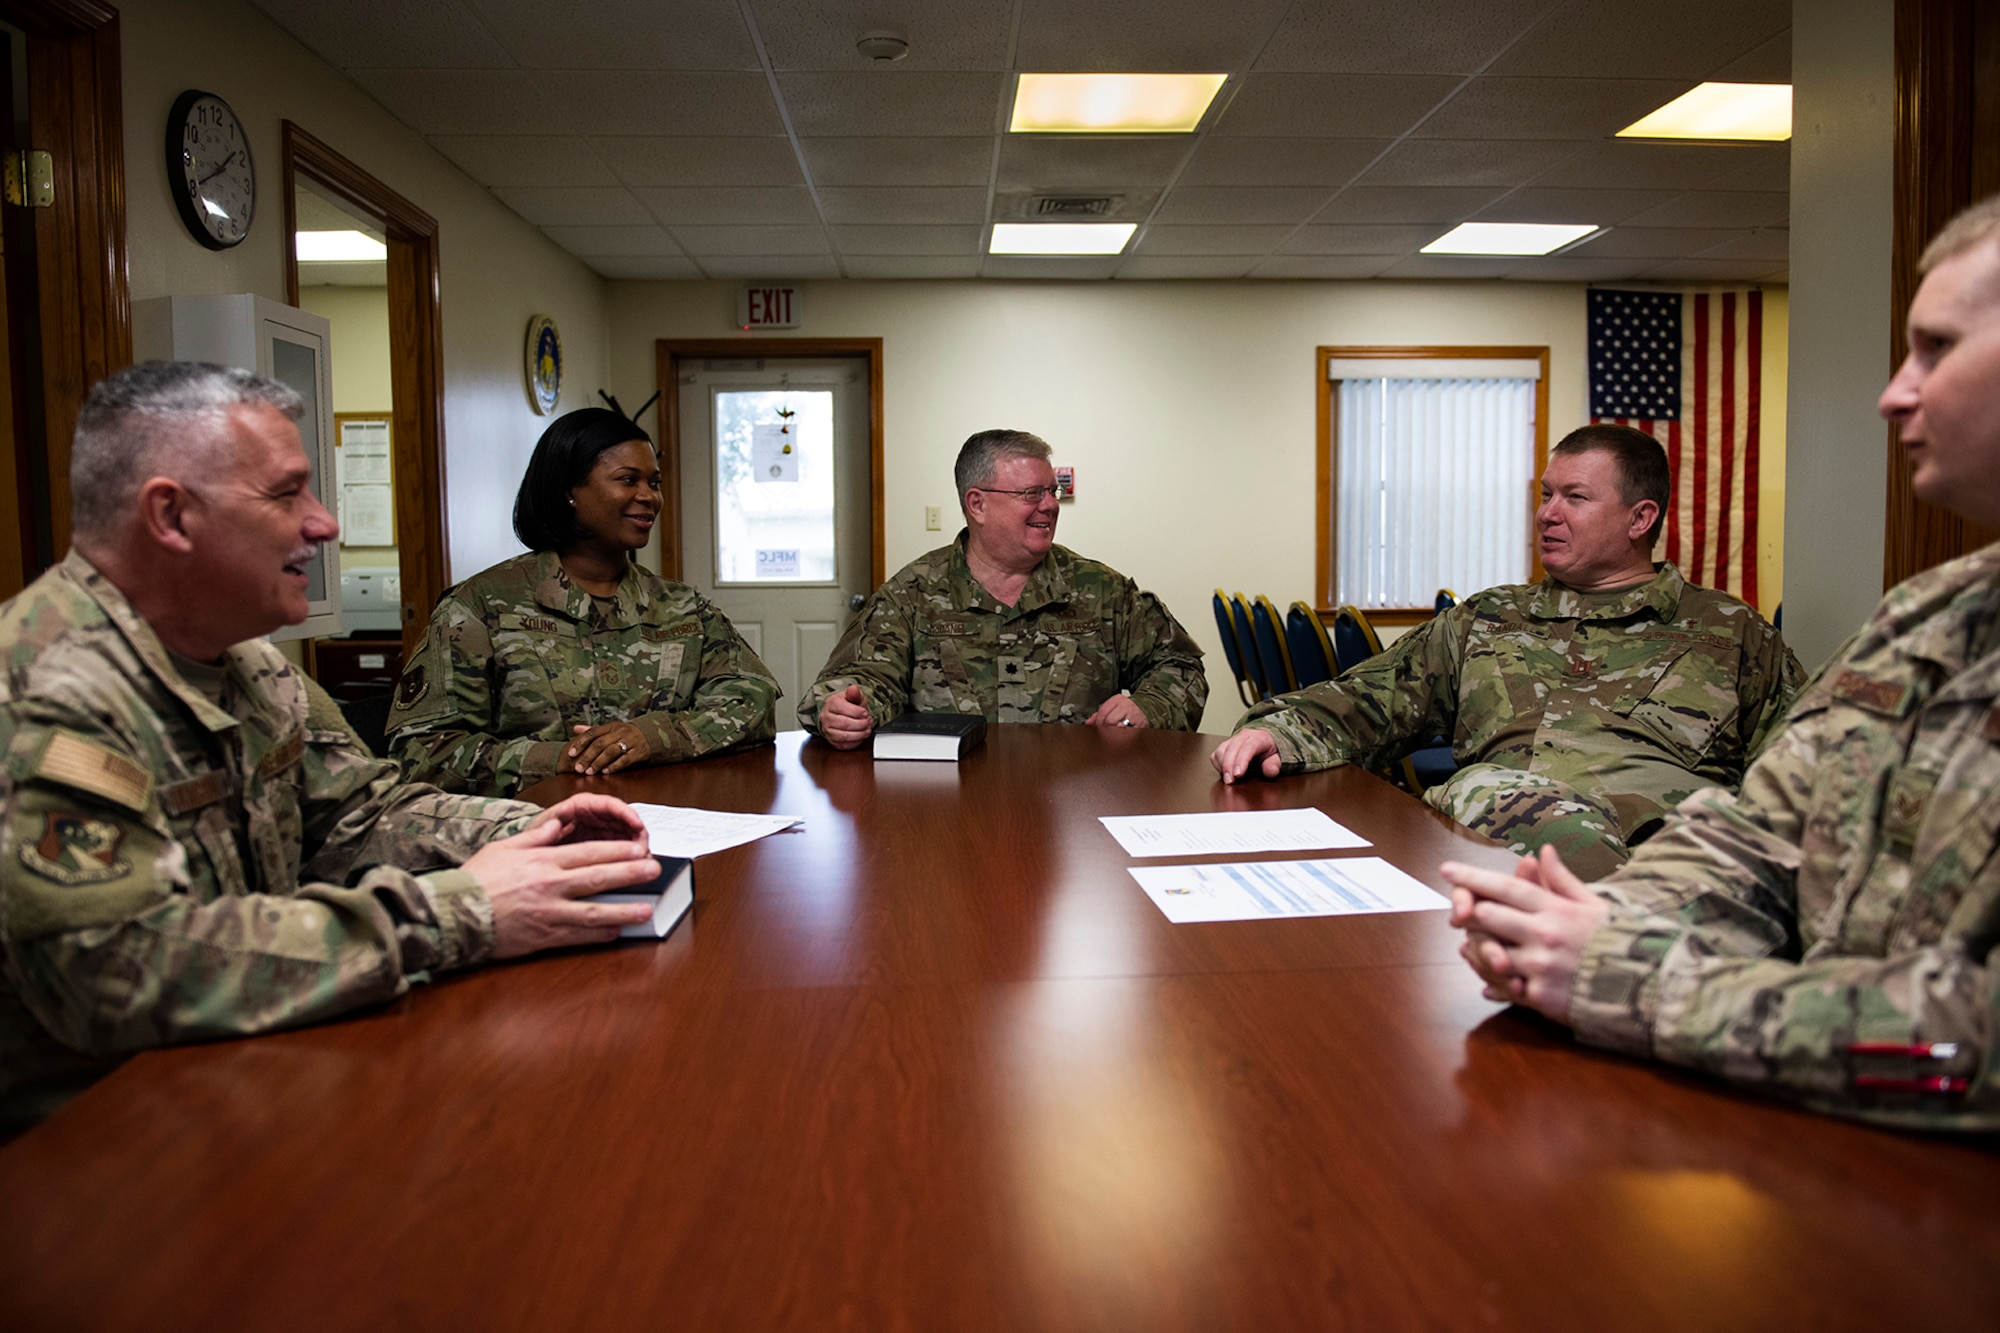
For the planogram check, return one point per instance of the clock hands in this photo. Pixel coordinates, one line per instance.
(220, 167)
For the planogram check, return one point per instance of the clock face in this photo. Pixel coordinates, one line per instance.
(210, 171)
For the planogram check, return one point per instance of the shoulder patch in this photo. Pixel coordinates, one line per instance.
(76, 849)
(1877, 696)
(412, 687)
(71, 760)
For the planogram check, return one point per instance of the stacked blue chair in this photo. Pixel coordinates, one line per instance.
(1279, 678)
(1246, 644)
(1246, 687)
(1444, 601)
(1311, 648)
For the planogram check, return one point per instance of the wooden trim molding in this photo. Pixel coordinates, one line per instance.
(416, 360)
(1947, 157)
(1326, 474)
(670, 352)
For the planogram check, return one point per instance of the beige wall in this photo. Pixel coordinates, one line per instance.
(1187, 408)
(497, 270)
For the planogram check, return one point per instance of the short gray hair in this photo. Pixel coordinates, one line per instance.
(1980, 222)
(158, 419)
(980, 457)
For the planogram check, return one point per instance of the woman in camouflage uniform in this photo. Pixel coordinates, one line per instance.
(573, 658)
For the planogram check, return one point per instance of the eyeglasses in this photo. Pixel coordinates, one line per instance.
(1032, 495)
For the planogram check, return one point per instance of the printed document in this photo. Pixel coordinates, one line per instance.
(1230, 832)
(1260, 890)
(681, 830)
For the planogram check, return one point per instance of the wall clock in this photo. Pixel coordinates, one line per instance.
(209, 169)
(544, 363)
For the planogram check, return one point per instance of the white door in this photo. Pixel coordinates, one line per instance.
(774, 503)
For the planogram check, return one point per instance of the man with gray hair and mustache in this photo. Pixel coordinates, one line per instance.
(192, 845)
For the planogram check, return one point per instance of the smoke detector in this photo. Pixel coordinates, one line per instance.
(882, 47)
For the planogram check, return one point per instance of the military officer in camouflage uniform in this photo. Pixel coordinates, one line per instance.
(192, 845)
(1007, 624)
(1828, 934)
(1581, 708)
(574, 658)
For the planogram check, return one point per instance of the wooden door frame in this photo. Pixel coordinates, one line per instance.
(416, 360)
(670, 352)
(83, 289)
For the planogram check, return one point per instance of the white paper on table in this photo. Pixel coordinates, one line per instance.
(682, 830)
(1261, 890)
(774, 452)
(1230, 831)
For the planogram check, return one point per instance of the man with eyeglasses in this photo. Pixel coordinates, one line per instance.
(1005, 623)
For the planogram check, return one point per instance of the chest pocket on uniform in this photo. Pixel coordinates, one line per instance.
(1082, 674)
(1683, 690)
(941, 662)
(677, 649)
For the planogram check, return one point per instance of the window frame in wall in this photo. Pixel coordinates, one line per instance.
(1326, 578)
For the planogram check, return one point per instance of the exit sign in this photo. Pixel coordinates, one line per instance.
(770, 307)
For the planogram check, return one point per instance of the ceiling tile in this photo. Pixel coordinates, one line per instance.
(907, 240)
(654, 161)
(1406, 203)
(1689, 39)
(1322, 266)
(458, 101)
(1718, 208)
(900, 161)
(613, 242)
(1709, 270)
(1227, 161)
(548, 206)
(1362, 240)
(1153, 36)
(771, 268)
(1630, 164)
(1763, 168)
(1603, 208)
(1652, 242)
(620, 34)
(1452, 266)
(1573, 267)
(911, 266)
(1142, 267)
(1769, 63)
(1467, 161)
(389, 34)
(820, 34)
(1332, 106)
(622, 102)
(1368, 37)
(1241, 204)
(892, 103)
(1211, 240)
(893, 205)
(719, 205)
(1548, 108)
(706, 242)
(525, 159)
(1034, 266)
(1060, 162)
(644, 266)
(1774, 243)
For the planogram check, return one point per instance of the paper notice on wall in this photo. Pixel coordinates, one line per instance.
(367, 515)
(363, 456)
(774, 452)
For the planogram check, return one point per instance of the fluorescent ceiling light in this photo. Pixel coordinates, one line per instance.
(1720, 111)
(1508, 238)
(1112, 103)
(339, 247)
(1060, 238)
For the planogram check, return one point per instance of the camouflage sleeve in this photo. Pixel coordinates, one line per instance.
(445, 705)
(112, 948)
(875, 654)
(734, 704)
(1158, 663)
(1770, 681)
(1694, 965)
(1378, 710)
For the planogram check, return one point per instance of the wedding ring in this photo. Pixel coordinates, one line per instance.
(623, 747)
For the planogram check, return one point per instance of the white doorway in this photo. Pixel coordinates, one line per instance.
(776, 511)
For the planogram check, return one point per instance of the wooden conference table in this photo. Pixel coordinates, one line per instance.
(936, 1062)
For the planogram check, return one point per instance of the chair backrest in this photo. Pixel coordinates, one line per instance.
(1246, 688)
(1246, 644)
(1271, 650)
(1354, 639)
(1312, 650)
(1445, 601)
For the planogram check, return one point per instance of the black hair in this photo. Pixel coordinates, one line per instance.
(1642, 464)
(544, 519)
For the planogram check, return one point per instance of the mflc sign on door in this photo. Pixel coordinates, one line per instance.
(770, 307)
(777, 563)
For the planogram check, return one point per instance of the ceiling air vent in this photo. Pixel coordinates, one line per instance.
(1074, 205)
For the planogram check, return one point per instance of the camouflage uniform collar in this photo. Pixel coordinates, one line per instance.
(1660, 594)
(554, 590)
(145, 644)
(1049, 585)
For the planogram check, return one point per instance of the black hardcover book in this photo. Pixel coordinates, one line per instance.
(671, 892)
(929, 736)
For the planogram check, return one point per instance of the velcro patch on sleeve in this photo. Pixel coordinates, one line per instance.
(71, 865)
(1877, 696)
(283, 755)
(71, 760)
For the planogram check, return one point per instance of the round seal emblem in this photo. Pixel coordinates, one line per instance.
(544, 363)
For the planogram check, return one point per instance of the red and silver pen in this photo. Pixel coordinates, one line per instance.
(1934, 1083)
(1936, 1050)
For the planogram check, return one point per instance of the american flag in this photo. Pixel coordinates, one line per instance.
(1685, 367)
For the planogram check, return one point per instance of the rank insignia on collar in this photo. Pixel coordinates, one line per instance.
(76, 849)
(411, 687)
